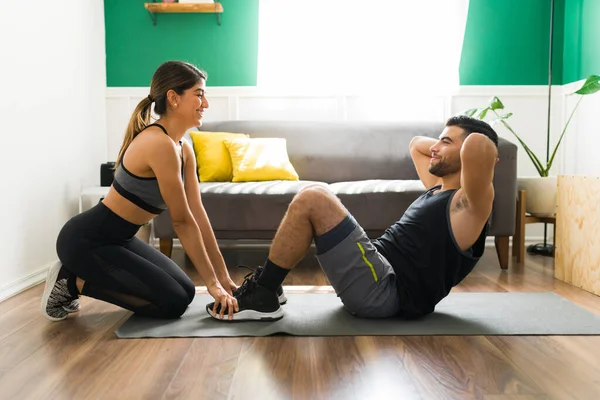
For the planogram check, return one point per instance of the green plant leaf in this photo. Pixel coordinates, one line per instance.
(496, 104)
(591, 85)
(563, 134)
(500, 118)
(483, 113)
(536, 161)
(470, 112)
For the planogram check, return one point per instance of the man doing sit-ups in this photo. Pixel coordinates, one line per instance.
(416, 262)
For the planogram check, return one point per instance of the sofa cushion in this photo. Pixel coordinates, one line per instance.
(376, 204)
(249, 206)
(212, 157)
(256, 206)
(260, 159)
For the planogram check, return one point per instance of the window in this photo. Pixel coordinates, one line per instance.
(352, 47)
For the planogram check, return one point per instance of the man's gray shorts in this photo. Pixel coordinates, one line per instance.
(362, 278)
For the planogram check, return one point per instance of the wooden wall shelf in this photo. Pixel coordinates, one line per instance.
(154, 8)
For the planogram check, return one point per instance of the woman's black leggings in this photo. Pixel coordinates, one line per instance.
(100, 247)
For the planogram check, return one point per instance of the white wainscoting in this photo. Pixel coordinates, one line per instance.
(580, 151)
(528, 103)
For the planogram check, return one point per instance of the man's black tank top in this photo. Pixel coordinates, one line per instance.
(424, 254)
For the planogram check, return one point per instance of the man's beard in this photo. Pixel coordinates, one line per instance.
(441, 169)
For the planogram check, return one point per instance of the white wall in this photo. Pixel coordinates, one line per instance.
(52, 108)
(581, 149)
(529, 104)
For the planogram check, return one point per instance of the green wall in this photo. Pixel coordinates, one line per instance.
(135, 48)
(581, 39)
(507, 43)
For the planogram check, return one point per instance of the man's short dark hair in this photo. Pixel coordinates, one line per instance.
(470, 125)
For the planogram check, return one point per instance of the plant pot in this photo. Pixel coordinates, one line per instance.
(144, 233)
(540, 194)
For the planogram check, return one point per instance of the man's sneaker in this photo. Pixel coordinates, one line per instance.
(56, 295)
(253, 275)
(256, 303)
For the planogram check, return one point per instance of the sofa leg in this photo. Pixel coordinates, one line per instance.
(502, 249)
(166, 247)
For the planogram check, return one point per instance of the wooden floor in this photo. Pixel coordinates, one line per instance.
(80, 358)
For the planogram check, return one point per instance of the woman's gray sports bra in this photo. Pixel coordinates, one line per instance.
(142, 191)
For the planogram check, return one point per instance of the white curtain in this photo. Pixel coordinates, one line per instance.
(352, 47)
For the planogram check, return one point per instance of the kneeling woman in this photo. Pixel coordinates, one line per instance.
(99, 254)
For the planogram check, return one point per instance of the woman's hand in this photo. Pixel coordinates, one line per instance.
(226, 300)
(228, 284)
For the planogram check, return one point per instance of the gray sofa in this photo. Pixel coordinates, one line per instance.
(367, 164)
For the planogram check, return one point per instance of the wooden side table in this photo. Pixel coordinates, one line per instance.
(518, 245)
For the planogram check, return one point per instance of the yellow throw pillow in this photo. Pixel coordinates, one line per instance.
(260, 159)
(212, 157)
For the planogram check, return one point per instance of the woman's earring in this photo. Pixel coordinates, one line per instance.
(174, 105)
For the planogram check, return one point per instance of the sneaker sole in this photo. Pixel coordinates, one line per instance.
(249, 315)
(282, 299)
(71, 310)
(51, 278)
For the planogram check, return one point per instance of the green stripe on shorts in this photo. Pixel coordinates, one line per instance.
(367, 261)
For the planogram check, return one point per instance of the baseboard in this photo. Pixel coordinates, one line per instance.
(23, 284)
(489, 242)
(224, 244)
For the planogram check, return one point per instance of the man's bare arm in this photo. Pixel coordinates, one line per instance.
(421, 156)
(478, 158)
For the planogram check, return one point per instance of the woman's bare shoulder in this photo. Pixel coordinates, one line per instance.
(153, 134)
(150, 149)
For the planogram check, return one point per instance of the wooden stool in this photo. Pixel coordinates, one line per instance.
(518, 245)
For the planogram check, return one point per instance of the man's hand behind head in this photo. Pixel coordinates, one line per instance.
(479, 145)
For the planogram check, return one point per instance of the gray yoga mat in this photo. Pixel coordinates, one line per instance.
(322, 314)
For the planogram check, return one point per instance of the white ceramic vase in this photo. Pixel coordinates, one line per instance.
(540, 194)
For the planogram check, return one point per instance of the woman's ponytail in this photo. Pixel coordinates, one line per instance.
(139, 120)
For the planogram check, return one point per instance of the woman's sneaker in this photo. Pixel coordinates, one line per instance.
(56, 295)
(72, 307)
(253, 275)
(255, 302)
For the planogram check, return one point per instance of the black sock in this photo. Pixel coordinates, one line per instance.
(272, 276)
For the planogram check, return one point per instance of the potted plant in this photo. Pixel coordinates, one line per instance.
(541, 190)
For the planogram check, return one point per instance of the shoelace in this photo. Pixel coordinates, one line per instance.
(249, 278)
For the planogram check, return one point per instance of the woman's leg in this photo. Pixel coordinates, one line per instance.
(136, 277)
(99, 247)
(165, 263)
